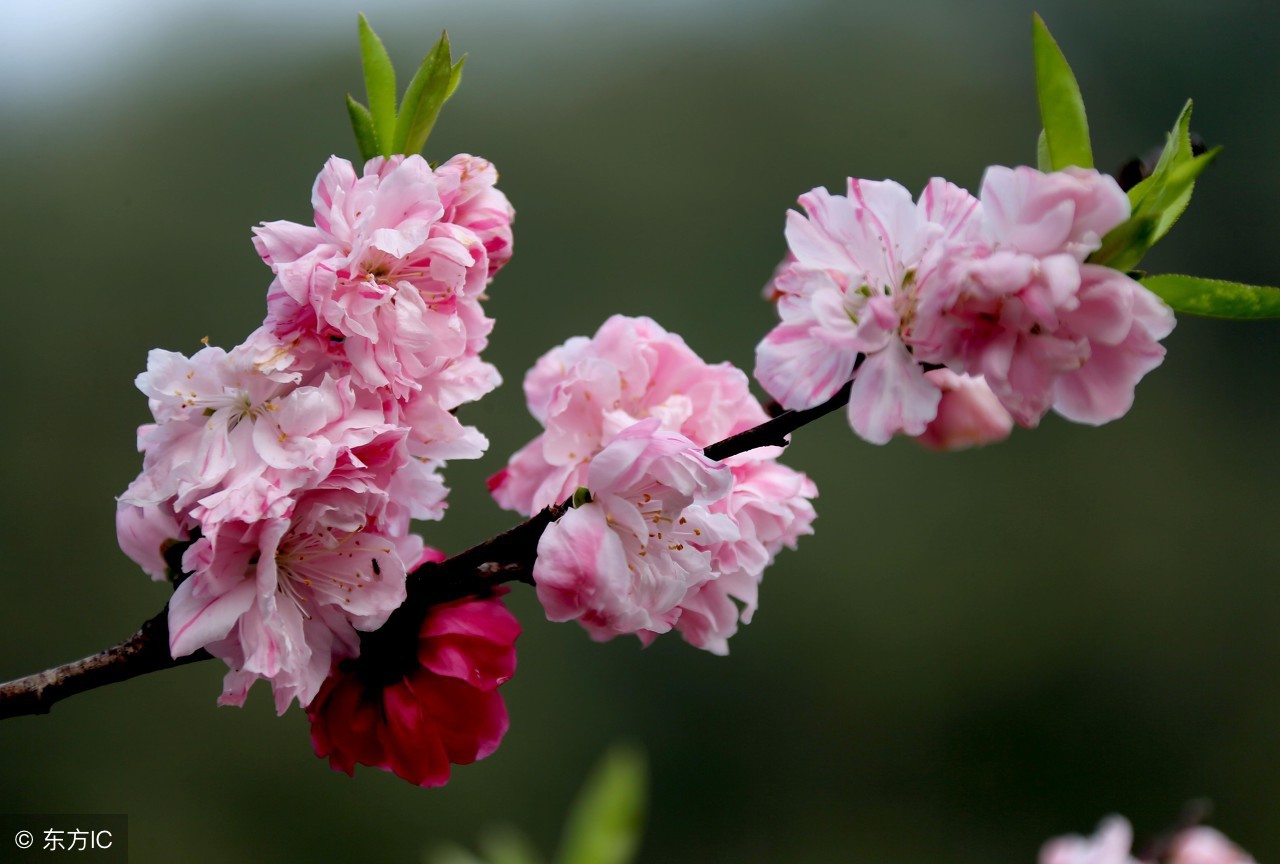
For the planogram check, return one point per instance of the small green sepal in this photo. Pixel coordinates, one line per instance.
(582, 495)
(1215, 298)
(1066, 129)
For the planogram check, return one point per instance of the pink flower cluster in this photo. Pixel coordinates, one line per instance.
(292, 464)
(880, 288)
(1112, 842)
(669, 539)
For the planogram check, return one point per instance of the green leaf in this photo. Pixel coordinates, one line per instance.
(1124, 245)
(362, 123)
(1215, 298)
(1157, 201)
(1177, 148)
(431, 87)
(1042, 154)
(1152, 194)
(379, 85)
(604, 825)
(1175, 196)
(1066, 130)
(505, 845)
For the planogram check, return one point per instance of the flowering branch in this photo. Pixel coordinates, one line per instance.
(503, 558)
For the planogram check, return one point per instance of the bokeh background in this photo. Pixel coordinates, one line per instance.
(975, 651)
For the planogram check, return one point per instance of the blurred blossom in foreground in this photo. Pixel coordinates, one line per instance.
(1111, 843)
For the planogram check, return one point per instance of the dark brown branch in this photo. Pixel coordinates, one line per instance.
(145, 651)
(773, 433)
(506, 557)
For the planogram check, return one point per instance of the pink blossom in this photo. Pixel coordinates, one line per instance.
(205, 408)
(1112, 841)
(476, 204)
(588, 390)
(299, 457)
(772, 507)
(969, 414)
(282, 598)
(1021, 308)
(144, 534)
(385, 281)
(849, 289)
(1203, 845)
(440, 706)
(623, 562)
(236, 444)
(1110, 845)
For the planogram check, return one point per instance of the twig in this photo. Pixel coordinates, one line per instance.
(773, 433)
(145, 651)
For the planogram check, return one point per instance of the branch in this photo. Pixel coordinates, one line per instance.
(145, 651)
(506, 557)
(773, 433)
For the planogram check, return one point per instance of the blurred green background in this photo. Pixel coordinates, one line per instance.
(975, 651)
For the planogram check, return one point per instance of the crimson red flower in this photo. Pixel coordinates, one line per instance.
(436, 704)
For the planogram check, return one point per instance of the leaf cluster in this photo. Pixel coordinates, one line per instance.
(1155, 203)
(383, 130)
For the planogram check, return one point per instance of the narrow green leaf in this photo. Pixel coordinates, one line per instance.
(432, 85)
(362, 123)
(1177, 190)
(1173, 209)
(604, 825)
(1043, 162)
(1152, 194)
(1160, 200)
(1215, 298)
(1066, 129)
(379, 85)
(1177, 147)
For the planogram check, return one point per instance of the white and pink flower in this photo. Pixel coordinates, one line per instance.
(589, 391)
(1111, 843)
(1023, 309)
(282, 598)
(857, 267)
(624, 561)
(292, 464)
(878, 290)
(385, 281)
(772, 505)
(969, 414)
